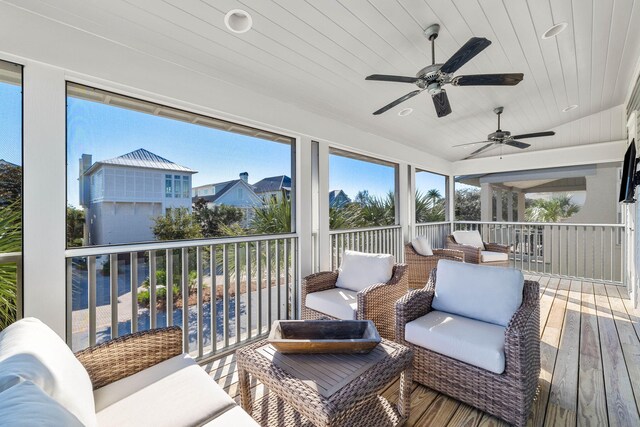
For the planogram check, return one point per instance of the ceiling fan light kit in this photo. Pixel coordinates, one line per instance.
(554, 30)
(405, 112)
(432, 77)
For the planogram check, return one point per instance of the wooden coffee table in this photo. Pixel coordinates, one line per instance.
(326, 389)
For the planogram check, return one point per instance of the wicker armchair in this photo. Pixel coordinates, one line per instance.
(509, 395)
(420, 266)
(127, 355)
(473, 255)
(376, 302)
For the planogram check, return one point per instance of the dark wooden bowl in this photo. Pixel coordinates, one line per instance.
(324, 336)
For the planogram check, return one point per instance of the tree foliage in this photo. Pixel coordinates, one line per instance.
(176, 224)
(552, 210)
(272, 218)
(467, 204)
(75, 226)
(10, 241)
(211, 220)
(10, 183)
(430, 206)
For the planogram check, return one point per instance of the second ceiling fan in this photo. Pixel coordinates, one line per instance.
(432, 77)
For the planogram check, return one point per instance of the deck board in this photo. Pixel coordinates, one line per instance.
(590, 360)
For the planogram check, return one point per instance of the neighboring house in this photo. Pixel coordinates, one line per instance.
(237, 193)
(121, 196)
(274, 186)
(338, 198)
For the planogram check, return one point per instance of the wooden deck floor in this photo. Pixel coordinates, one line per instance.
(590, 356)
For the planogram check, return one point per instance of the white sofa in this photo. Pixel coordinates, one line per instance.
(137, 380)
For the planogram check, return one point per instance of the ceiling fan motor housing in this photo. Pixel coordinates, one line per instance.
(499, 135)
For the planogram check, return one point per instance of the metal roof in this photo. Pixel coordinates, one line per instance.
(273, 183)
(142, 158)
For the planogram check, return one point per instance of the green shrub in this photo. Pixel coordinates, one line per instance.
(144, 298)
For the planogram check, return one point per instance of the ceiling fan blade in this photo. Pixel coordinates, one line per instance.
(511, 79)
(470, 143)
(397, 101)
(534, 135)
(441, 102)
(471, 48)
(388, 78)
(481, 149)
(517, 144)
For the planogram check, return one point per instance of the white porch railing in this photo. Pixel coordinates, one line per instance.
(236, 287)
(15, 259)
(385, 240)
(437, 232)
(583, 251)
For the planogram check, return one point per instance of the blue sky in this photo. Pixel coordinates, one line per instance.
(105, 132)
(11, 123)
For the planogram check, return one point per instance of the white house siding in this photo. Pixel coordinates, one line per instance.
(122, 222)
(240, 196)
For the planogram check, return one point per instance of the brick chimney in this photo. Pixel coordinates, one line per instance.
(244, 176)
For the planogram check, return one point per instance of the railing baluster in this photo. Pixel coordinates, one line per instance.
(278, 281)
(113, 288)
(133, 265)
(199, 296)
(247, 255)
(225, 295)
(91, 279)
(213, 305)
(169, 284)
(268, 267)
(152, 290)
(259, 284)
(237, 272)
(185, 299)
(286, 277)
(69, 311)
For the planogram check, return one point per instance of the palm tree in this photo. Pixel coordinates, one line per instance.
(552, 210)
(429, 206)
(10, 241)
(379, 211)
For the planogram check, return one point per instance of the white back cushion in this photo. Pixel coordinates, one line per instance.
(490, 294)
(422, 246)
(471, 238)
(25, 404)
(31, 351)
(360, 270)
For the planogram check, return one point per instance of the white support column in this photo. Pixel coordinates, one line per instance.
(412, 202)
(486, 202)
(404, 202)
(45, 195)
(450, 214)
(324, 242)
(499, 210)
(304, 205)
(510, 206)
(521, 206)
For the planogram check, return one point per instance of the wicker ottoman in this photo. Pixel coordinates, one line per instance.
(328, 389)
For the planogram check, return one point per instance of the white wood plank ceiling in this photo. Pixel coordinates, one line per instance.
(315, 54)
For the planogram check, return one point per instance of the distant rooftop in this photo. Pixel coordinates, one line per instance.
(144, 159)
(273, 183)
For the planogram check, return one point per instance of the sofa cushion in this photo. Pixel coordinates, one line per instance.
(360, 270)
(487, 293)
(31, 351)
(422, 246)
(336, 302)
(176, 392)
(488, 256)
(26, 404)
(471, 341)
(235, 417)
(471, 238)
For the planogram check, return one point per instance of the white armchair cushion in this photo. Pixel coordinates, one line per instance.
(486, 293)
(25, 404)
(339, 303)
(488, 256)
(31, 351)
(360, 270)
(422, 246)
(471, 341)
(471, 238)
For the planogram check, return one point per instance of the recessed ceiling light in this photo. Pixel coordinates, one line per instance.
(555, 30)
(238, 21)
(569, 108)
(405, 112)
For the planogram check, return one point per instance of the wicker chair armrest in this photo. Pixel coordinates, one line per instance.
(522, 336)
(319, 282)
(449, 254)
(414, 304)
(471, 253)
(495, 247)
(378, 293)
(129, 354)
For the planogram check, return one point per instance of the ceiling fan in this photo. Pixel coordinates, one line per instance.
(432, 77)
(503, 137)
